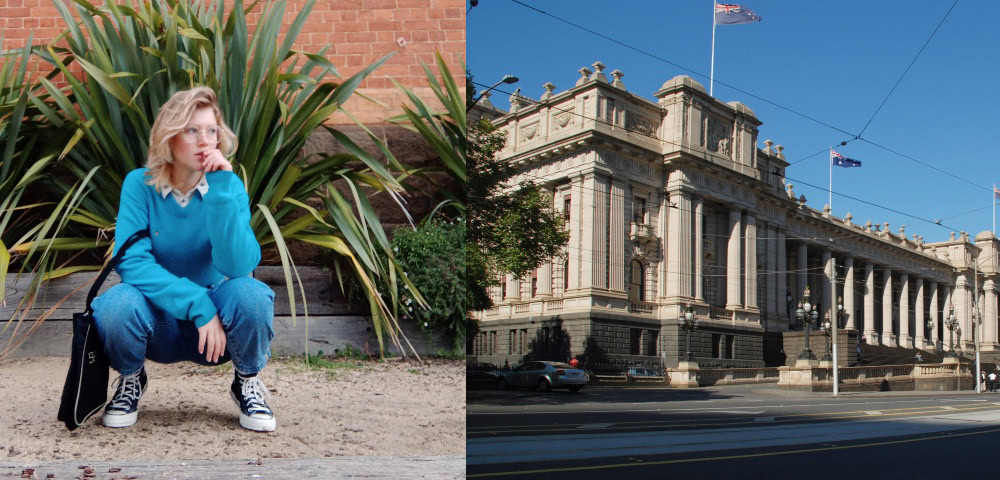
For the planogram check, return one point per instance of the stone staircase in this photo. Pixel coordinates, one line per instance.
(872, 355)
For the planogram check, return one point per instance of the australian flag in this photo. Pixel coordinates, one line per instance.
(730, 14)
(839, 160)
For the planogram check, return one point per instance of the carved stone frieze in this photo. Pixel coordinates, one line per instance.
(529, 131)
(562, 120)
(639, 124)
(719, 135)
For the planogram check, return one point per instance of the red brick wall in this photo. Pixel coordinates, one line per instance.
(360, 31)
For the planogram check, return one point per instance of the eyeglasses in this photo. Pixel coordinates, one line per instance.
(190, 134)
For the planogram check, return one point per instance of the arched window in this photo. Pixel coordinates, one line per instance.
(637, 282)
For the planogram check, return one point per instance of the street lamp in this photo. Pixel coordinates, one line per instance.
(952, 324)
(687, 324)
(931, 333)
(806, 313)
(508, 79)
(826, 328)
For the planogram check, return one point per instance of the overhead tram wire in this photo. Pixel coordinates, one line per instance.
(907, 68)
(720, 158)
(695, 72)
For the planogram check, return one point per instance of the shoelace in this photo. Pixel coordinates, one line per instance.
(254, 392)
(129, 390)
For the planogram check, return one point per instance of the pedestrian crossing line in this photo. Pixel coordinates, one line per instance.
(524, 429)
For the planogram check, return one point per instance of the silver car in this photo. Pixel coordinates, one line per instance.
(544, 376)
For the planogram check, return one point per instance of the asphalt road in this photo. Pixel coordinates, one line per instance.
(730, 432)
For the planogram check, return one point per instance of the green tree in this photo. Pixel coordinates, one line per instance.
(508, 231)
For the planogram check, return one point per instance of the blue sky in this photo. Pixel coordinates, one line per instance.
(832, 61)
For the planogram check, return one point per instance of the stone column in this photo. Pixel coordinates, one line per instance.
(990, 315)
(618, 232)
(595, 242)
(948, 306)
(699, 249)
(803, 271)
(887, 309)
(545, 279)
(575, 238)
(932, 336)
(782, 290)
(679, 248)
(904, 311)
(750, 268)
(829, 299)
(870, 334)
(849, 292)
(920, 324)
(774, 305)
(733, 300)
(513, 288)
(960, 300)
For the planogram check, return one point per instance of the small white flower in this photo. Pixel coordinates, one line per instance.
(395, 249)
(425, 325)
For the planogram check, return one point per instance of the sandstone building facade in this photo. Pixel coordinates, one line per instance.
(671, 202)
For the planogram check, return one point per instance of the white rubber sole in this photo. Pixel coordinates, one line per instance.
(252, 423)
(120, 420)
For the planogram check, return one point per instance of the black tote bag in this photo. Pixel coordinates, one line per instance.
(86, 388)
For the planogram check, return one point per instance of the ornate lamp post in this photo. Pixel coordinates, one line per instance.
(826, 327)
(806, 314)
(931, 333)
(686, 322)
(952, 324)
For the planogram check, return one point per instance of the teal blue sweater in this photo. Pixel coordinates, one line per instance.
(188, 249)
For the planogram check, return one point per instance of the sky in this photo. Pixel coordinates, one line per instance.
(929, 152)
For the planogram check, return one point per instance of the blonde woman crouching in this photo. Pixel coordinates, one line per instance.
(186, 293)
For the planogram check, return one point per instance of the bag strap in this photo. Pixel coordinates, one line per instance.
(111, 265)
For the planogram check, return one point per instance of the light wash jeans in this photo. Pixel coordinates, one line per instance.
(133, 330)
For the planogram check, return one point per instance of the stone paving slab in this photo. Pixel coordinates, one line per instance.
(429, 467)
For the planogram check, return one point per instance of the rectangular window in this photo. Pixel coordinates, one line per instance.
(716, 345)
(566, 211)
(545, 339)
(731, 346)
(651, 346)
(639, 210)
(520, 346)
(636, 337)
(610, 118)
(496, 348)
(511, 338)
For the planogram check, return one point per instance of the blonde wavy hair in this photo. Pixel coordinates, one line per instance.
(174, 116)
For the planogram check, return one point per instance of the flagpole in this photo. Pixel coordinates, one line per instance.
(711, 74)
(993, 198)
(830, 190)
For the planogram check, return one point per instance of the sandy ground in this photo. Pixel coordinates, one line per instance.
(361, 408)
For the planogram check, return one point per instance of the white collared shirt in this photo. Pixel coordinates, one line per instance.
(184, 198)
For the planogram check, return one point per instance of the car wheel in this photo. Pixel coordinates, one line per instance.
(544, 385)
(502, 383)
(575, 388)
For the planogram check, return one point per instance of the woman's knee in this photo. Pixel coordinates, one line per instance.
(250, 301)
(121, 307)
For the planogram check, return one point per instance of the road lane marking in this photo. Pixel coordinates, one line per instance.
(847, 415)
(728, 457)
(747, 412)
(946, 407)
(764, 419)
(596, 425)
(563, 411)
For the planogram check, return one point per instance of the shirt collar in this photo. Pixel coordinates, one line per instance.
(202, 188)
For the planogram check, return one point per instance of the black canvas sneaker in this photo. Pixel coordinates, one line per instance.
(249, 394)
(122, 410)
